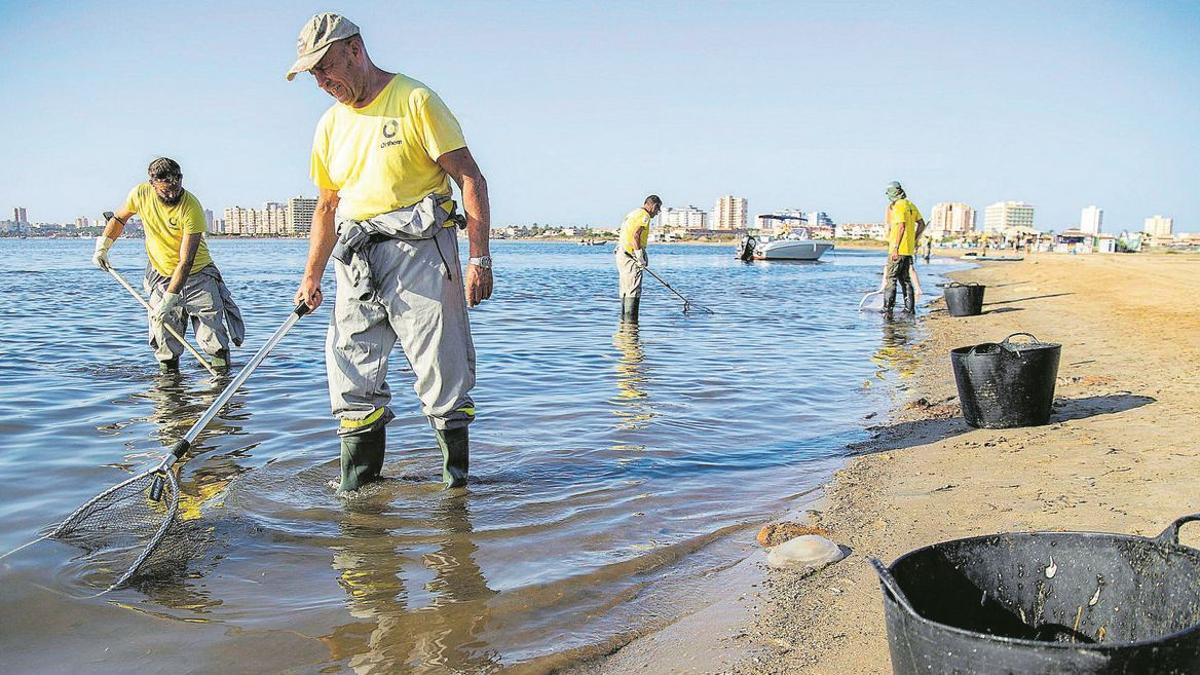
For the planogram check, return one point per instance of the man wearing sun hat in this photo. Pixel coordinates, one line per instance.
(905, 227)
(383, 157)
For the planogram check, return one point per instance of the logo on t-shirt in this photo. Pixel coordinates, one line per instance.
(390, 128)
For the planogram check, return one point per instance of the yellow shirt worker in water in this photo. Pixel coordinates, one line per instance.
(383, 158)
(905, 227)
(631, 255)
(183, 282)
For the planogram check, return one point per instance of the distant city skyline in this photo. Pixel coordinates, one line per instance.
(945, 218)
(574, 110)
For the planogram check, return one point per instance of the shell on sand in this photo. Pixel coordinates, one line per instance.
(808, 551)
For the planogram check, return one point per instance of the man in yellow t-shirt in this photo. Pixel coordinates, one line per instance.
(181, 278)
(905, 226)
(631, 255)
(383, 159)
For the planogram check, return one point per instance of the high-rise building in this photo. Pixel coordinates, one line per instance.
(689, 218)
(1000, 216)
(300, 212)
(83, 221)
(729, 213)
(218, 226)
(950, 219)
(1159, 226)
(1091, 219)
(208, 221)
(239, 220)
(19, 215)
(271, 220)
(274, 219)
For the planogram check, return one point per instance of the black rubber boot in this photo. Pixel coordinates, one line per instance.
(629, 308)
(169, 366)
(362, 458)
(456, 456)
(220, 360)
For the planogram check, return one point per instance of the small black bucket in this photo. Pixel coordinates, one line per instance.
(1046, 602)
(963, 299)
(1010, 384)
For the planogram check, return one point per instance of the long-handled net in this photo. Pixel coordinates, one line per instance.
(122, 528)
(132, 529)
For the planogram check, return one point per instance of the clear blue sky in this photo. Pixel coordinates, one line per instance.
(576, 110)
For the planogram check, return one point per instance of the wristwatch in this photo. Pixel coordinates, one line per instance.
(482, 262)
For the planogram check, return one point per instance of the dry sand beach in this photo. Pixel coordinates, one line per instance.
(1121, 454)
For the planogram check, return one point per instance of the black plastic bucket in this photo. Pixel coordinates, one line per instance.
(963, 299)
(1006, 384)
(1046, 602)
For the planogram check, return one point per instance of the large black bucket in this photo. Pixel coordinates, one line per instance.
(1010, 384)
(963, 299)
(1046, 602)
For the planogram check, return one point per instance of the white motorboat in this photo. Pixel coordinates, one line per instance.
(794, 246)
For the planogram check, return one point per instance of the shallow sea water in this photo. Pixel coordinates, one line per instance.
(609, 463)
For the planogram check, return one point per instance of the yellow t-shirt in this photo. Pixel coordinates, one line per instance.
(383, 157)
(903, 212)
(633, 220)
(166, 225)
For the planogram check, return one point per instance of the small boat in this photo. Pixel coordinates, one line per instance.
(794, 246)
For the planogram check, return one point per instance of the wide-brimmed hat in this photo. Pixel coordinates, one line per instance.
(318, 34)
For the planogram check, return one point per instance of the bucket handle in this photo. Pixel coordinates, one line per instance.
(1171, 534)
(1031, 336)
(981, 344)
(893, 586)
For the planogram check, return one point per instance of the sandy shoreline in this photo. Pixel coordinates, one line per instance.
(1121, 454)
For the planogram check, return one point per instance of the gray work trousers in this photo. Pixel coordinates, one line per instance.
(206, 304)
(897, 272)
(629, 276)
(417, 296)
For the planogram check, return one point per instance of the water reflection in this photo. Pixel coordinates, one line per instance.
(175, 410)
(433, 627)
(896, 354)
(633, 406)
(189, 547)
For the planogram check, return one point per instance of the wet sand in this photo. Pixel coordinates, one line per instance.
(1121, 454)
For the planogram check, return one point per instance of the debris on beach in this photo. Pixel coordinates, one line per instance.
(774, 534)
(808, 552)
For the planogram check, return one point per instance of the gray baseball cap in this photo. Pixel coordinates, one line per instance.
(318, 34)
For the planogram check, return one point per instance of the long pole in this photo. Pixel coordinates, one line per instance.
(686, 303)
(181, 447)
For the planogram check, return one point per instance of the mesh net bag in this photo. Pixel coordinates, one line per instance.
(125, 532)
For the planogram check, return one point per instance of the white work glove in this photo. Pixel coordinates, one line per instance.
(168, 304)
(639, 257)
(100, 257)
